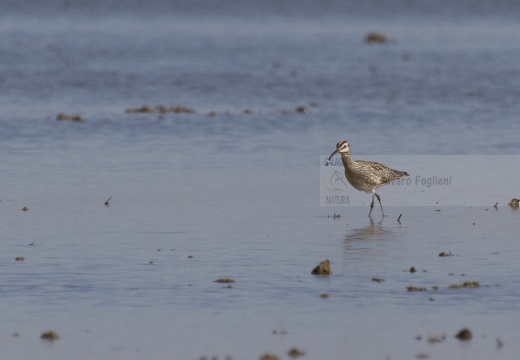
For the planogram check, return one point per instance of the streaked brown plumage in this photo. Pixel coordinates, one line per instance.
(366, 175)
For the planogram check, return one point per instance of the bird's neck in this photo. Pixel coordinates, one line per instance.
(346, 158)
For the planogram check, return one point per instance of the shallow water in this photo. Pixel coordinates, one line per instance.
(195, 198)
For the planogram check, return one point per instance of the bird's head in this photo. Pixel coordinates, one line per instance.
(342, 147)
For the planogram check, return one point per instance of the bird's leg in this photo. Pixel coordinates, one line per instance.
(371, 205)
(379, 199)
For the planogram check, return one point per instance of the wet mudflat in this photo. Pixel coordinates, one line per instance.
(142, 277)
(161, 182)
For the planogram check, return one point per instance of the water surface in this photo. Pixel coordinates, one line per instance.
(236, 194)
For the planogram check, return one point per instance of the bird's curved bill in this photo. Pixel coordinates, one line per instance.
(330, 157)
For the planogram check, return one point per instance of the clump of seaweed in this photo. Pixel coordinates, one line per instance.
(146, 109)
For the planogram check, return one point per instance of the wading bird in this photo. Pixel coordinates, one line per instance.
(365, 176)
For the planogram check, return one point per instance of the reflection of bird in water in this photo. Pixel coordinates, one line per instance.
(356, 239)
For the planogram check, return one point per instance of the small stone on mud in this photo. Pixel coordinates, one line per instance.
(65, 117)
(20, 258)
(224, 281)
(466, 284)
(49, 335)
(464, 334)
(269, 357)
(25, 208)
(444, 253)
(414, 288)
(422, 356)
(146, 109)
(143, 109)
(436, 339)
(323, 268)
(177, 110)
(294, 353)
(375, 38)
